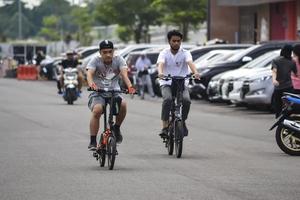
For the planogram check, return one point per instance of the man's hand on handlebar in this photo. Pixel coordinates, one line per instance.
(161, 76)
(131, 90)
(93, 86)
(197, 76)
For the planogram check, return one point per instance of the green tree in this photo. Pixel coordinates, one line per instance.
(9, 21)
(50, 30)
(184, 14)
(124, 33)
(83, 21)
(136, 16)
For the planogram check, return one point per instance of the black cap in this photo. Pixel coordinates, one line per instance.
(106, 44)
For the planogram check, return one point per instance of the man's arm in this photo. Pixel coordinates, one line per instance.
(160, 67)
(124, 75)
(90, 80)
(193, 69)
(274, 77)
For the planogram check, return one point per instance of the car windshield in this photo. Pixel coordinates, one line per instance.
(242, 53)
(262, 61)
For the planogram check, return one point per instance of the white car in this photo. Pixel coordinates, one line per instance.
(234, 80)
(258, 88)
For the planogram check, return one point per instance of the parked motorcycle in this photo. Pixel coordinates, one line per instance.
(70, 89)
(288, 125)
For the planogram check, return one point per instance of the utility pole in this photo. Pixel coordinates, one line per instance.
(20, 19)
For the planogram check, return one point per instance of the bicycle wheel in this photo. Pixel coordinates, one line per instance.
(111, 152)
(170, 141)
(101, 154)
(178, 138)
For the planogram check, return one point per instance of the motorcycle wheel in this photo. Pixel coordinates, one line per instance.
(287, 141)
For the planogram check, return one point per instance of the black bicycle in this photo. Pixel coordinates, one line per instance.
(175, 127)
(107, 145)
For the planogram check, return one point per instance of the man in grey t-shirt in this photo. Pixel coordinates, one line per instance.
(103, 72)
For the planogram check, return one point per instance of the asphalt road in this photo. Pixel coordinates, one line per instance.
(229, 153)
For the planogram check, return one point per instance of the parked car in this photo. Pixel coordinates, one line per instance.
(258, 89)
(213, 56)
(205, 60)
(233, 62)
(201, 50)
(263, 65)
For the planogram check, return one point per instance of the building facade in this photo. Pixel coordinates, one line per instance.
(244, 21)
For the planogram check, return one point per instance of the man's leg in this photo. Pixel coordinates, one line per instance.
(60, 84)
(185, 108)
(94, 125)
(149, 85)
(119, 119)
(80, 80)
(166, 108)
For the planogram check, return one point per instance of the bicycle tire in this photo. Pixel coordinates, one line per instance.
(178, 138)
(101, 153)
(111, 152)
(102, 158)
(170, 141)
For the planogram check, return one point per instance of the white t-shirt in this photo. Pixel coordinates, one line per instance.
(142, 64)
(175, 65)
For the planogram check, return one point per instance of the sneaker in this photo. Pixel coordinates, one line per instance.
(164, 133)
(119, 137)
(185, 130)
(60, 92)
(92, 147)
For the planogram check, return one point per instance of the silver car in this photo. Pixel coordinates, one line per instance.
(258, 88)
(232, 90)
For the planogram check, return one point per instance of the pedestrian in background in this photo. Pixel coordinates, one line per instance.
(142, 65)
(296, 79)
(281, 76)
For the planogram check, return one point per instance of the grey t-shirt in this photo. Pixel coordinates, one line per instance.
(107, 76)
(284, 68)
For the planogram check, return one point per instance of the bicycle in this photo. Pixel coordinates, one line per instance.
(175, 127)
(107, 145)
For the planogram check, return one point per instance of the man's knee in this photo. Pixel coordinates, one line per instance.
(123, 105)
(97, 111)
(167, 100)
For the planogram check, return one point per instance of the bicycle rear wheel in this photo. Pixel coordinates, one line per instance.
(178, 138)
(111, 152)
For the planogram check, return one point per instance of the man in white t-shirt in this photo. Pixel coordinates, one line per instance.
(174, 61)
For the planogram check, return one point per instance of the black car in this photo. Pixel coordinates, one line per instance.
(234, 62)
(199, 51)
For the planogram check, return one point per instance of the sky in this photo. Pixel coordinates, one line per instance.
(32, 3)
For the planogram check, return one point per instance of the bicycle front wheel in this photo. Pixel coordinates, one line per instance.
(170, 141)
(111, 152)
(178, 138)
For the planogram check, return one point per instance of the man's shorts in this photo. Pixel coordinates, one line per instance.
(98, 99)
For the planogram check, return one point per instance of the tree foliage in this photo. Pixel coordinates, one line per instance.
(50, 29)
(184, 14)
(136, 16)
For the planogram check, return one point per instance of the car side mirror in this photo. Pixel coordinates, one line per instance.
(246, 59)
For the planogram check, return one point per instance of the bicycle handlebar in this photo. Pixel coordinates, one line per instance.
(125, 91)
(169, 77)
